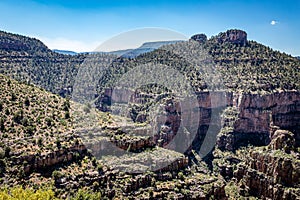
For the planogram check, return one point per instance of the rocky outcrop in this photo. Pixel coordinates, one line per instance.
(139, 181)
(37, 162)
(283, 140)
(259, 185)
(201, 38)
(134, 144)
(258, 117)
(233, 36)
(270, 172)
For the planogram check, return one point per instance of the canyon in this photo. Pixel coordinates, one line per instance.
(242, 139)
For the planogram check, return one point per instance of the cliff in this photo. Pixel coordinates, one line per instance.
(270, 172)
(259, 116)
(233, 36)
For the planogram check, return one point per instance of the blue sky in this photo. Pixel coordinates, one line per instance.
(83, 25)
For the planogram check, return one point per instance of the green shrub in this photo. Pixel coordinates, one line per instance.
(56, 174)
(40, 141)
(18, 193)
(67, 115)
(13, 97)
(87, 195)
(2, 121)
(27, 102)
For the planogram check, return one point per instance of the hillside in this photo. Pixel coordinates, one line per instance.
(29, 60)
(32, 117)
(36, 133)
(41, 149)
(252, 67)
(14, 42)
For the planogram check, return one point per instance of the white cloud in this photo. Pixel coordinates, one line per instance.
(273, 22)
(67, 44)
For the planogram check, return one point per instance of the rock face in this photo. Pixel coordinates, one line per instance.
(283, 140)
(36, 162)
(271, 173)
(233, 36)
(201, 38)
(258, 117)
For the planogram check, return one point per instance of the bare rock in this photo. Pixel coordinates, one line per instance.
(233, 36)
(283, 139)
(201, 38)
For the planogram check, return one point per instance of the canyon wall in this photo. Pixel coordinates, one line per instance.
(258, 115)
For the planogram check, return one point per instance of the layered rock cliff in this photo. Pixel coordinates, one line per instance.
(256, 117)
(259, 116)
(270, 172)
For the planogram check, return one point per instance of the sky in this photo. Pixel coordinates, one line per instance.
(84, 25)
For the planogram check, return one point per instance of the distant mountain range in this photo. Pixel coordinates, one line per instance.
(145, 48)
(128, 53)
(66, 52)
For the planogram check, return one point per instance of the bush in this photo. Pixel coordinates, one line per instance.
(100, 167)
(18, 193)
(30, 130)
(40, 141)
(87, 195)
(94, 161)
(96, 186)
(2, 153)
(181, 176)
(58, 143)
(18, 116)
(49, 121)
(66, 105)
(27, 102)
(67, 115)
(7, 151)
(2, 167)
(13, 97)
(7, 111)
(2, 121)
(56, 174)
